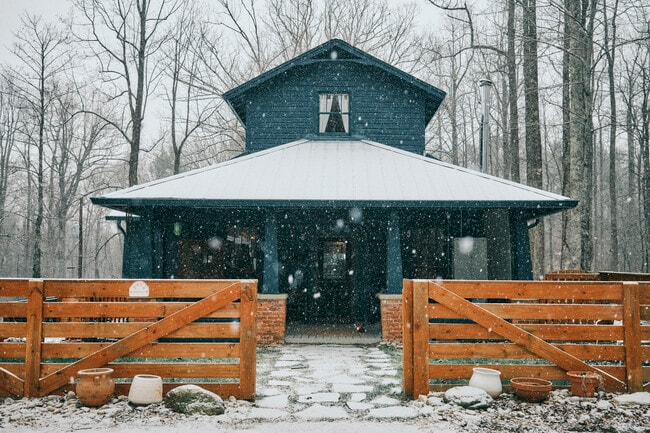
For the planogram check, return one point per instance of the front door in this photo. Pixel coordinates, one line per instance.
(332, 300)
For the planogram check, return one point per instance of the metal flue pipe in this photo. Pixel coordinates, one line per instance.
(486, 93)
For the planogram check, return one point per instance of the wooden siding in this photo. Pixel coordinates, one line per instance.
(382, 108)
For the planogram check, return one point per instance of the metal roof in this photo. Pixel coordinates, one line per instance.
(335, 173)
(238, 97)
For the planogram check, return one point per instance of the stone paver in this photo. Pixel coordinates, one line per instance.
(331, 382)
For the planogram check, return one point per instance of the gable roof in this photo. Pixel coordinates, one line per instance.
(335, 173)
(333, 50)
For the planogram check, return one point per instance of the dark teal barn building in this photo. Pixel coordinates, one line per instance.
(333, 201)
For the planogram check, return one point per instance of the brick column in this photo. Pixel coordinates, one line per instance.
(391, 317)
(271, 318)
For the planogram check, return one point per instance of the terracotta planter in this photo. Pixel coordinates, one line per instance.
(487, 379)
(531, 389)
(95, 386)
(584, 383)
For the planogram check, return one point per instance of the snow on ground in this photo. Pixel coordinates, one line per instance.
(327, 389)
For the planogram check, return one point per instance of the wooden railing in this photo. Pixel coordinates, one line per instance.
(186, 331)
(525, 329)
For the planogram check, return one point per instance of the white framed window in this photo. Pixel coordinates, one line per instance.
(334, 113)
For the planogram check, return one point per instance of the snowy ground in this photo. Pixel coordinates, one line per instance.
(327, 388)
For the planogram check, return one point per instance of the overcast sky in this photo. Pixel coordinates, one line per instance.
(10, 11)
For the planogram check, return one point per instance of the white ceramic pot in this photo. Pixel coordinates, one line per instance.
(146, 389)
(488, 380)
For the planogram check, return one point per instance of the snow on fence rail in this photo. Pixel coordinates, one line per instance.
(186, 331)
(532, 329)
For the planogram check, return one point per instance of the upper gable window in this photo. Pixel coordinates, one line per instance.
(334, 113)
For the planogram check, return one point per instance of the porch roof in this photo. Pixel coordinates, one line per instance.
(317, 173)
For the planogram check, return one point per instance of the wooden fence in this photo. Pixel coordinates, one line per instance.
(531, 329)
(186, 331)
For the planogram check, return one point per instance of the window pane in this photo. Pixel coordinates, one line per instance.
(334, 260)
(334, 115)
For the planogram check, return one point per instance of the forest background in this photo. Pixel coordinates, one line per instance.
(113, 93)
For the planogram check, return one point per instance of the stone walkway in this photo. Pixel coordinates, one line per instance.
(329, 382)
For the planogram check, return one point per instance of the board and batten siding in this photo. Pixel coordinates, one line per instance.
(382, 108)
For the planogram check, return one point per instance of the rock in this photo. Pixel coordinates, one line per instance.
(637, 398)
(468, 397)
(192, 399)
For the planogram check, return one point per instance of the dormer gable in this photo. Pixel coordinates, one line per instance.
(335, 84)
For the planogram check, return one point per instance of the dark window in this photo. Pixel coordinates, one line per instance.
(334, 113)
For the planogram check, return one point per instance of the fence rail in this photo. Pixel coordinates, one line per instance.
(186, 331)
(533, 329)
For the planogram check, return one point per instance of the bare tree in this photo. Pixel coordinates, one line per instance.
(610, 42)
(40, 48)
(190, 107)
(125, 37)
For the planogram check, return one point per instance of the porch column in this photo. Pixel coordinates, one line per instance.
(270, 284)
(393, 256)
(522, 267)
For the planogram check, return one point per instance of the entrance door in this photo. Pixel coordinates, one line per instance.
(332, 300)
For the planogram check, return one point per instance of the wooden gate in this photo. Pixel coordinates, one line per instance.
(186, 331)
(532, 329)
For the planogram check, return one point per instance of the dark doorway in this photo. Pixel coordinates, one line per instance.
(332, 300)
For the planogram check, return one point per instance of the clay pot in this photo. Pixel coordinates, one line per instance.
(584, 383)
(146, 389)
(95, 386)
(487, 379)
(531, 389)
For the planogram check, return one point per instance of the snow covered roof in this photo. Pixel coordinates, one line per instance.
(320, 173)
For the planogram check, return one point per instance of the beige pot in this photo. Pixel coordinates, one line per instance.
(146, 389)
(488, 380)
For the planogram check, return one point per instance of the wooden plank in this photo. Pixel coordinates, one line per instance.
(632, 324)
(120, 288)
(508, 371)
(511, 332)
(13, 309)
(407, 337)
(166, 370)
(541, 311)
(15, 288)
(527, 290)
(420, 339)
(142, 337)
(248, 340)
(11, 383)
(148, 310)
(113, 330)
(558, 332)
(34, 338)
(12, 350)
(13, 329)
(152, 350)
(607, 352)
(224, 390)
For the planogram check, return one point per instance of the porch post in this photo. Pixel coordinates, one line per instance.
(522, 267)
(393, 256)
(270, 284)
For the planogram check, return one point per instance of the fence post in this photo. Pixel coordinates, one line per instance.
(247, 339)
(34, 338)
(632, 329)
(420, 338)
(407, 337)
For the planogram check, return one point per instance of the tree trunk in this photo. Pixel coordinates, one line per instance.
(512, 152)
(533, 133)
